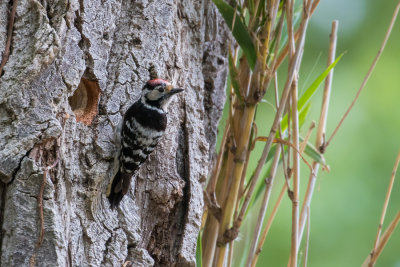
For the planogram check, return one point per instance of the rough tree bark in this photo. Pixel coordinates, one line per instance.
(74, 68)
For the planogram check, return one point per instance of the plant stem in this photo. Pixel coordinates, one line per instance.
(296, 175)
(381, 245)
(285, 50)
(268, 226)
(308, 237)
(263, 209)
(370, 70)
(321, 128)
(242, 135)
(211, 228)
(385, 205)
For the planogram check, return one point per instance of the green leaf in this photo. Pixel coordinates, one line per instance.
(303, 114)
(305, 98)
(233, 76)
(310, 150)
(313, 153)
(314, 86)
(199, 251)
(239, 31)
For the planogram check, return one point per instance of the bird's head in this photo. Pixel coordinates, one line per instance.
(158, 92)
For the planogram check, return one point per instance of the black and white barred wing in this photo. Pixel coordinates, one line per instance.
(141, 130)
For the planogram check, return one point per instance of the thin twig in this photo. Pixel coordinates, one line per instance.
(308, 237)
(382, 242)
(371, 69)
(268, 226)
(296, 175)
(289, 137)
(9, 36)
(289, 19)
(285, 142)
(278, 42)
(285, 170)
(385, 205)
(308, 135)
(264, 205)
(285, 50)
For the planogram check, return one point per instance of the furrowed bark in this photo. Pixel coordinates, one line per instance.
(73, 70)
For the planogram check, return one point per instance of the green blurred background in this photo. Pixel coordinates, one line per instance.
(348, 200)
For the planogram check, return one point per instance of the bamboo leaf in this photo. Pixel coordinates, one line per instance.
(233, 77)
(239, 31)
(303, 114)
(305, 98)
(314, 86)
(199, 251)
(313, 153)
(310, 150)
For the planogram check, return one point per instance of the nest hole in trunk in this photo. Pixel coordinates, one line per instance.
(84, 102)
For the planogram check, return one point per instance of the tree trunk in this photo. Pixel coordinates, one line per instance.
(74, 69)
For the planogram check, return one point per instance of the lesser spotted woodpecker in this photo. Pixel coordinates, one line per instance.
(142, 127)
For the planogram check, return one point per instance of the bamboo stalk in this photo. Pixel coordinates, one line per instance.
(382, 242)
(370, 70)
(211, 228)
(212, 183)
(296, 175)
(230, 204)
(289, 18)
(270, 220)
(285, 94)
(285, 50)
(308, 237)
(263, 209)
(268, 226)
(321, 128)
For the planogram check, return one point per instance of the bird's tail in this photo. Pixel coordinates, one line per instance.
(118, 188)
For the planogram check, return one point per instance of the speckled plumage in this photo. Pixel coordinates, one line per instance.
(143, 125)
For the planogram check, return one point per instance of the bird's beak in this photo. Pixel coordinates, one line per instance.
(171, 91)
(175, 91)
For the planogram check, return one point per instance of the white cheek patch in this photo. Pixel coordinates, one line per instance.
(154, 95)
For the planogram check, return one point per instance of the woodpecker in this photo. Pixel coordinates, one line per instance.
(142, 127)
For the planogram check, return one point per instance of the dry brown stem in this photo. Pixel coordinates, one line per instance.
(382, 242)
(370, 70)
(384, 209)
(285, 50)
(264, 205)
(268, 226)
(308, 237)
(321, 128)
(296, 175)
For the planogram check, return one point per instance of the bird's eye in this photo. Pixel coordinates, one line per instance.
(161, 89)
